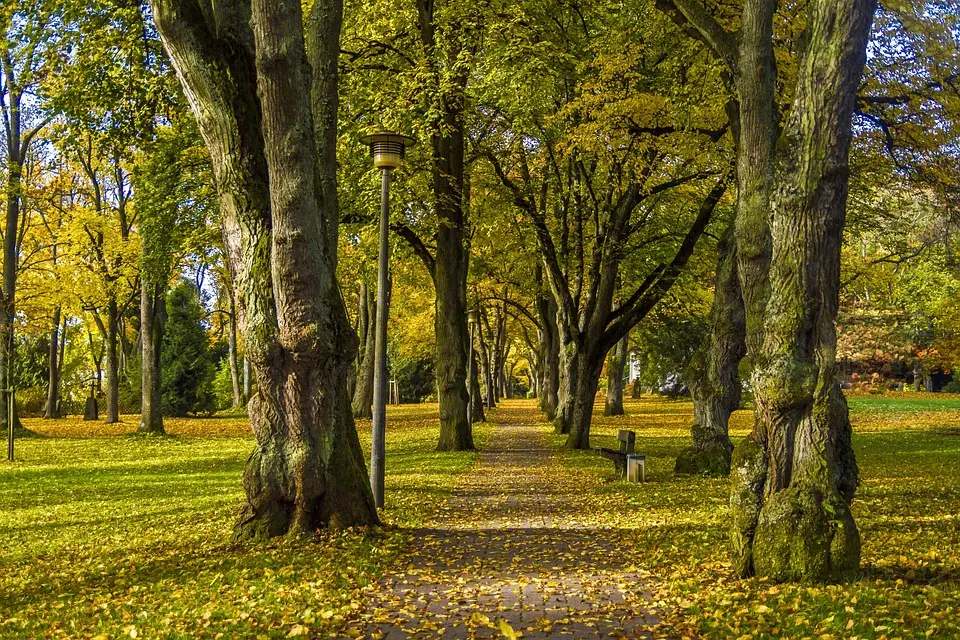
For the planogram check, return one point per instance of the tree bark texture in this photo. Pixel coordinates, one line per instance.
(566, 385)
(486, 370)
(712, 374)
(275, 171)
(152, 317)
(451, 261)
(477, 414)
(616, 360)
(589, 368)
(52, 407)
(795, 477)
(363, 391)
(113, 361)
(233, 355)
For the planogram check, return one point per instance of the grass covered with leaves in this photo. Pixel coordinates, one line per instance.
(108, 535)
(907, 509)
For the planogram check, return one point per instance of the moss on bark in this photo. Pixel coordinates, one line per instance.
(804, 534)
(711, 463)
(747, 479)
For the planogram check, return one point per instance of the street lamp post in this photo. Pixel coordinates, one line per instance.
(472, 318)
(387, 149)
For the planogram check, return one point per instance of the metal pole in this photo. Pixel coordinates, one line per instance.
(377, 447)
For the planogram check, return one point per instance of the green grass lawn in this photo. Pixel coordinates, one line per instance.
(117, 536)
(907, 510)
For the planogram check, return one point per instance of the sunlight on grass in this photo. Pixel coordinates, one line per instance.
(906, 510)
(108, 533)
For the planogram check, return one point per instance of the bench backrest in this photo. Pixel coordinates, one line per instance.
(627, 440)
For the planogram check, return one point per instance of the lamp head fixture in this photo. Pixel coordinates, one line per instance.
(387, 148)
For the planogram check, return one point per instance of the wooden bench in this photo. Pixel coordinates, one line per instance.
(627, 440)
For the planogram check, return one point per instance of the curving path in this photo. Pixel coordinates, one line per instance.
(511, 544)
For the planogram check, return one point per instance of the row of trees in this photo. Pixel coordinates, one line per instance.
(606, 141)
(586, 172)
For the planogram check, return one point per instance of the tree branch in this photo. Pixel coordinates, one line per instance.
(419, 248)
(694, 19)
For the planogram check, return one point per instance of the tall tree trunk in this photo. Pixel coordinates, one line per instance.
(363, 392)
(232, 355)
(616, 360)
(10, 267)
(113, 362)
(274, 161)
(589, 368)
(549, 375)
(52, 407)
(566, 390)
(795, 477)
(485, 366)
(152, 315)
(477, 414)
(451, 302)
(712, 374)
(451, 261)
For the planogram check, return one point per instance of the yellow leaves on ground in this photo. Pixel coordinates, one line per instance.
(907, 510)
(109, 535)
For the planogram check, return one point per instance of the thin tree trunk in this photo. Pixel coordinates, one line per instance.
(52, 408)
(151, 338)
(232, 356)
(363, 391)
(247, 380)
(712, 374)
(477, 414)
(485, 366)
(549, 376)
(616, 360)
(274, 160)
(113, 362)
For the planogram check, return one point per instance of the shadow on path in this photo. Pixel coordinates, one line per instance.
(512, 544)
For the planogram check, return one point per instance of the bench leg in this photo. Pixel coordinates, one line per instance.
(621, 466)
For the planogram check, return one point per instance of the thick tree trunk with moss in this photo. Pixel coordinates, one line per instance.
(712, 373)
(616, 360)
(152, 316)
(794, 481)
(363, 391)
(274, 163)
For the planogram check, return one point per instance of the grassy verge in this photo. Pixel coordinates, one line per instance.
(907, 509)
(107, 535)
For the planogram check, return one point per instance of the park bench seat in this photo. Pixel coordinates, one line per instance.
(627, 441)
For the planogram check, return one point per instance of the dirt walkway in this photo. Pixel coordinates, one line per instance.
(511, 544)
